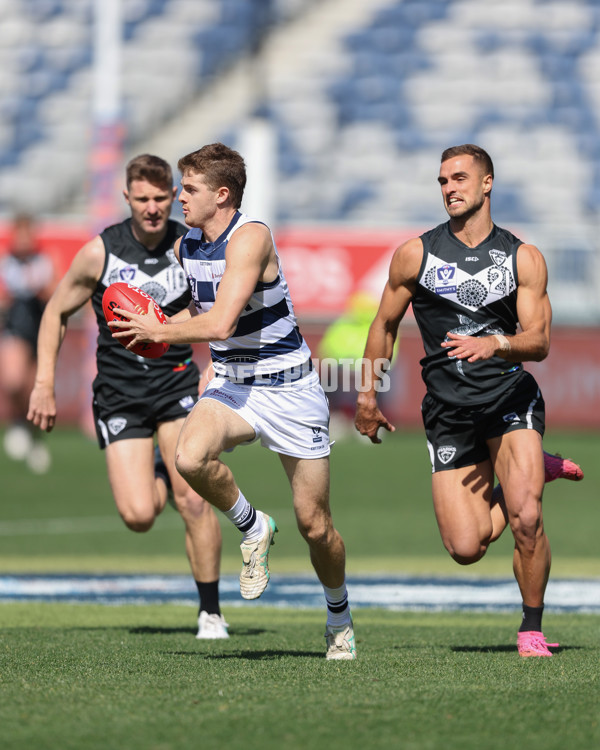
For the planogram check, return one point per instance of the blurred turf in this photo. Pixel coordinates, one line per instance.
(380, 496)
(85, 677)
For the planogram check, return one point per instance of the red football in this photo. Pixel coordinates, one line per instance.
(130, 298)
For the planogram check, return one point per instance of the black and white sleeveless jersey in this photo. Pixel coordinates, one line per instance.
(24, 279)
(470, 291)
(159, 274)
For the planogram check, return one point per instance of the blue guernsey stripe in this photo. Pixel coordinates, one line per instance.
(259, 319)
(262, 285)
(289, 343)
(204, 290)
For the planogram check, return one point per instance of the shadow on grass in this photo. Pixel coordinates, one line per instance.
(150, 630)
(268, 655)
(504, 648)
(237, 631)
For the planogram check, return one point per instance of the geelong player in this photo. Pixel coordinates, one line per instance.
(264, 386)
(136, 398)
(471, 284)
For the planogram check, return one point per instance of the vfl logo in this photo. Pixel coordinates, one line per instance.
(513, 418)
(128, 273)
(446, 453)
(186, 402)
(117, 424)
(317, 437)
(498, 257)
(445, 278)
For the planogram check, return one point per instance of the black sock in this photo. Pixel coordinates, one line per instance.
(160, 468)
(209, 597)
(532, 618)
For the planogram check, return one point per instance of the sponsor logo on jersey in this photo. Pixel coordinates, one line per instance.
(151, 261)
(446, 453)
(512, 418)
(445, 278)
(317, 437)
(117, 425)
(187, 402)
(473, 258)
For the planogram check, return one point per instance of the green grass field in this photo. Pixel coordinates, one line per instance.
(381, 500)
(85, 677)
(101, 678)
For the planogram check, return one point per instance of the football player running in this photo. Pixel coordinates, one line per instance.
(471, 285)
(136, 399)
(264, 387)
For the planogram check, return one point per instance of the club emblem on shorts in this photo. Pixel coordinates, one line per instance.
(446, 453)
(116, 424)
(317, 437)
(513, 418)
(186, 402)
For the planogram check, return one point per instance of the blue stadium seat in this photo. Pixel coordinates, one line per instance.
(42, 10)
(45, 64)
(390, 64)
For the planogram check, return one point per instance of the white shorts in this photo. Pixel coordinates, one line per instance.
(291, 419)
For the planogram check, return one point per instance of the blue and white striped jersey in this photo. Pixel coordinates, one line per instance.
(267, 340)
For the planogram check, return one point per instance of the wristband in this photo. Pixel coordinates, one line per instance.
(503, 341)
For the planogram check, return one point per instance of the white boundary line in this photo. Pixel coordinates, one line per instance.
(303, 592)
(76, 525)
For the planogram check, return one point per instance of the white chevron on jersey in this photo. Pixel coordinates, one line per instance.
(163, 286)
(471, 291)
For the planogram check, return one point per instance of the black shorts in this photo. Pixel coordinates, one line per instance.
(23, 321)
(456, 436)
(120, 417)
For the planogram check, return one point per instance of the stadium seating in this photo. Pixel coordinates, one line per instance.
(432, 73)
(520, 78)
(171, 47)
(362, 101)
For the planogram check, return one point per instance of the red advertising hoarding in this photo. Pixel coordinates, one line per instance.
(324, 267)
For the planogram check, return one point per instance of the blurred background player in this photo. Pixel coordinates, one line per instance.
(27, 279)
(137, 398)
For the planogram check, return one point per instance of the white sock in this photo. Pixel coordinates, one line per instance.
(247, 519)
(338, 609)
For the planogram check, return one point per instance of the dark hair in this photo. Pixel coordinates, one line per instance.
(469, 149)
(151, 168)
(220, 166)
